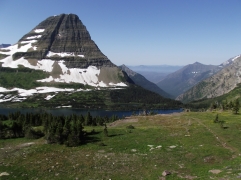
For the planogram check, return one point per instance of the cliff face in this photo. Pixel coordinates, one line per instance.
(64, 33)
(62, 46)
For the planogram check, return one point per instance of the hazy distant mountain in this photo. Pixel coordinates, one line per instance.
(180, 81)
(143, 82)
(218, 84)
(4, 45)
(154, 73)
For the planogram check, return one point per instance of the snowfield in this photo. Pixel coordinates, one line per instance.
(88, 76)
(23, 93)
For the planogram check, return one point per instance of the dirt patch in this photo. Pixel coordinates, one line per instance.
(109, 75)
(25, 145)
(33, 62)
(215, 171)
(56, 70)
(124, 121)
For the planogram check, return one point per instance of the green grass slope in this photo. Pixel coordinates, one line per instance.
(189, 145)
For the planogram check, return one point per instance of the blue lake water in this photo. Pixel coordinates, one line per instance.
(69, 111)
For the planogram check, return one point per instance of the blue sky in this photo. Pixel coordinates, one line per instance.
(140, 32)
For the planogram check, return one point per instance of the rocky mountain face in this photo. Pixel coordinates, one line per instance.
(58, 50)
(62, 46)
(140, 80)
(185, 78)
(218, 84)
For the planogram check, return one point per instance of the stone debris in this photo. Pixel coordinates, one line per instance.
(215, 171)
(4, 174)
(166, 173)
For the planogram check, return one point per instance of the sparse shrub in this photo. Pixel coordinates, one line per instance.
(216, 119)
(221, 124)
(130, 127)
(33, 134)
(105, 131)
(102, 144)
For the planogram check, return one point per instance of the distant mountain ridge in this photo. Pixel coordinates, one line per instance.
(4, 45)
(218, 84)
(180, 81)
(143, 82)
(154, 73)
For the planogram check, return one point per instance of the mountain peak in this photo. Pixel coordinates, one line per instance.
(64, 33)
(62, 46)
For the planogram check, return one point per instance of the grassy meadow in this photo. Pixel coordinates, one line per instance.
(189, 145)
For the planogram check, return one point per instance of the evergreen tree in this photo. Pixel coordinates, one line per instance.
(88, 119)
(230, 105)
(59, 133)
(236, 106)
(216, 120)
(105, 131)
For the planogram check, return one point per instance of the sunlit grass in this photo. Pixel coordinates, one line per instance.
(185, 144)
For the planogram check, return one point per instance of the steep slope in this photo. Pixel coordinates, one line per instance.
(185, 78)
(154, 73)
(61, 46)
(57, 51)
(218, 84)
(143, 82)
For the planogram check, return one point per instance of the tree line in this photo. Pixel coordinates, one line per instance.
(225, 105)
(68, 130)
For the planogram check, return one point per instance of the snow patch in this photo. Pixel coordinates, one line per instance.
(85, 76)
(30, 41)
(64, 106)
(49, 97)
(62, 54)
(39, 30)
(34, 37)
(236, 57)
(118, 84)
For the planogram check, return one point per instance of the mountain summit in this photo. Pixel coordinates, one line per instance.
(62, 46)
(185, 78)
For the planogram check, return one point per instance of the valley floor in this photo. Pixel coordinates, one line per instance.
(188, 145)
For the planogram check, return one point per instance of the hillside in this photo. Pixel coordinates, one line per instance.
(216, 85)
(154, 73)
(180, 81)
(140, 80)
(188, 145)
